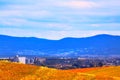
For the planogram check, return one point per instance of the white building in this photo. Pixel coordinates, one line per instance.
(22, 59)
(19, 59)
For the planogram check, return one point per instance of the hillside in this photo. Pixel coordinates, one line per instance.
(68, 47)
(16, 71)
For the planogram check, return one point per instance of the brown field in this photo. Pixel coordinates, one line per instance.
(17, 71)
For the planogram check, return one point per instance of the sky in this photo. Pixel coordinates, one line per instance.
(56, 19)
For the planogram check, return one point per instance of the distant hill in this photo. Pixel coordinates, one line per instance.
(16, 71)
(96, 45)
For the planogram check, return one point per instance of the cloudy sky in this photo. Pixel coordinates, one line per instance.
(55, 19)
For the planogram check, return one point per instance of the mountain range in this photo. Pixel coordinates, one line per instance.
(102, 44)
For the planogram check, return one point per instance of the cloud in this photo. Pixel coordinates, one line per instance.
(59, 19)
(55, 35)
(19, 23)
(107, 26)
(77, 4)
(24, 14)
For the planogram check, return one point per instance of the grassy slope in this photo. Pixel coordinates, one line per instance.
(15, 71)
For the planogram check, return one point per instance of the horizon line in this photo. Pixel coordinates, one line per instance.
(56, 39)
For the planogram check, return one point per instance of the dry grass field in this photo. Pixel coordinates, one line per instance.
(17, 71)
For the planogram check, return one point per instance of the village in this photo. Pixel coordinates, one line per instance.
(65, 63)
